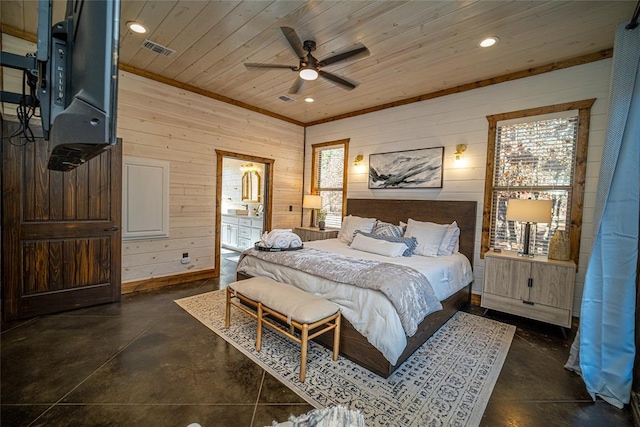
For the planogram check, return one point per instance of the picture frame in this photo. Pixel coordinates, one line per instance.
(409, 169)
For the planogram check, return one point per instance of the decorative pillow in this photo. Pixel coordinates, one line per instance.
(343, 225)
(409, 242)
(353, 224)
(428, 234)
(377, 246)
(449, 244)
(387, 229)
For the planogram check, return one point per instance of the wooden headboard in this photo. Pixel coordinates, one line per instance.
(438, 211)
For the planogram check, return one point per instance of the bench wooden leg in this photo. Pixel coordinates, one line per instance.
(303, 351)
(259, 331)
(336, 338)
(227, 313)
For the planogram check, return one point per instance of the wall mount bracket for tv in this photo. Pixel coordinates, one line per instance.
(18, 62)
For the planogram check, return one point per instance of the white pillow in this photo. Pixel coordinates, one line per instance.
(378, 246)
(449, 244)
(351, 224)
(428, 235)
(343, 225)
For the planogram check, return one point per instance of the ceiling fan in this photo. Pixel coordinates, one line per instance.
(309, 67)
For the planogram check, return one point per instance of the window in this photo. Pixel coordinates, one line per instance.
(329, 178)
(538, 154)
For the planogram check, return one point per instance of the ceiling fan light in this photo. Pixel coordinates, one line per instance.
(308, 74)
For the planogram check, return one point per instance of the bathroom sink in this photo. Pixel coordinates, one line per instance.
(238, 211)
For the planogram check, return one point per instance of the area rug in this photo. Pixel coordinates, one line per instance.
(446, 382)
(234, 258)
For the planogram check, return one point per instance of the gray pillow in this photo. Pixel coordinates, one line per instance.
(411, 242)
(387, 229)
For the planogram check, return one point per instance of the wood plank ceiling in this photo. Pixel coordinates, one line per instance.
(416, 47)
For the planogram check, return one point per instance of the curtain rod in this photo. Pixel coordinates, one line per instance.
(634, 20)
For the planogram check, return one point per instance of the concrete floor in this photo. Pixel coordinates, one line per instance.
(146, 362)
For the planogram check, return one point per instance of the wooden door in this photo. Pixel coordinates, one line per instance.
(61, 244)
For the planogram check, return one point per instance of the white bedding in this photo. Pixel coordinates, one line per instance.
(447, 274)
(369, 311)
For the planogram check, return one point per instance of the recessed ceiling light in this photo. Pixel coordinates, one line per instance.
(309, 100)
(136, 27)
(489, 41)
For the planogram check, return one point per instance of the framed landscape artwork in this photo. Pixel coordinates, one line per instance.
(420, 168)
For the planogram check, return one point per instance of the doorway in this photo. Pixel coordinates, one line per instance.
(243, 205)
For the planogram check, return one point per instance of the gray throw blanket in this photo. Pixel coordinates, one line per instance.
(408, 290)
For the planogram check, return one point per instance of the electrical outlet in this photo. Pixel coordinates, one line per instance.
(185, 258)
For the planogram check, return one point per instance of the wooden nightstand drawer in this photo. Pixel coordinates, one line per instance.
(544, 313)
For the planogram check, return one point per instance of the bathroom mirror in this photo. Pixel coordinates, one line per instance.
(251, 186)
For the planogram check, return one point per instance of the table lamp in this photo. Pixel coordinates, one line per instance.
(528, 211)
(313, 202)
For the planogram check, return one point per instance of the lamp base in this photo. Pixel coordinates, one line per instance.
(525, 243)
(522, 254)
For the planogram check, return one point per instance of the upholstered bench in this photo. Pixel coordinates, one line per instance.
(297, 308)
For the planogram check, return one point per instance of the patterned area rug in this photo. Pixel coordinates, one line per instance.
(446, 382)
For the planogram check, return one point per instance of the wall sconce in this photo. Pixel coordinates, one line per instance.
(357, 164)
(460, 148)
(248, 167)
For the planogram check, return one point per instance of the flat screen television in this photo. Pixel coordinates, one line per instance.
(78, 80)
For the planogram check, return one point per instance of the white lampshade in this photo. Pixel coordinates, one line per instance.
(528, 210)
(312, 201)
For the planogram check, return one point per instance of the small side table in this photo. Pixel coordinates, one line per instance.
(308, 234)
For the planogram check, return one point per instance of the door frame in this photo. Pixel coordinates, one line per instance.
(267, 199)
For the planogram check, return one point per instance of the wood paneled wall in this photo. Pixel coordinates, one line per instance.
(163, 122)
(461, 119)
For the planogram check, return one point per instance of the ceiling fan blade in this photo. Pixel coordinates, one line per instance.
(294, 41)
(295, 87)
(253, 65)
(338, 80)
(361, 51)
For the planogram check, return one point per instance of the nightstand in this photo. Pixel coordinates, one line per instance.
(308, 234)
(537, 288)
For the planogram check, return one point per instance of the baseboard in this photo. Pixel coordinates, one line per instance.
(635, 408)
(161, 282)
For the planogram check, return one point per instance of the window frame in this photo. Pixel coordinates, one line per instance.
(579, 176)
(315, 149)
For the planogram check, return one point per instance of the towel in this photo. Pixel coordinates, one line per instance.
(281, 238)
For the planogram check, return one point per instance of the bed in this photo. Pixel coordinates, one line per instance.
(369, 351)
